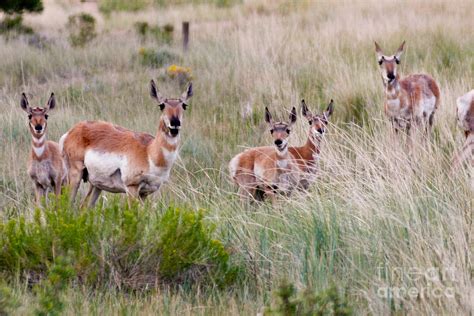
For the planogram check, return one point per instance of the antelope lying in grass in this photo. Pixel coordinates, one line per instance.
(465, 109)
(307, 156)
(118, 160)
(45, 166)
(413, 98)
(265, 171)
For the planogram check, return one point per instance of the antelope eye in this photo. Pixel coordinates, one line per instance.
(271, 131)
(30, 116)
(397, 61)
(46, 116)
(380, 62)
(288, 131)
(310, 122)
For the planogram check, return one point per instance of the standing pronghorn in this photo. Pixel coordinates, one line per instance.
(45, 166)
(307, 156)
(118, 160)
(267, 170)
(465, 105)
(415, 97)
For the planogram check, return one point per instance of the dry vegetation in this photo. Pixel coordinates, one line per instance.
(374, 208)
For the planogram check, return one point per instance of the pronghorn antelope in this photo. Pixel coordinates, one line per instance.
(118, 160)
(413, 98)
(45, 166)
(264, 171)
(307, 156)
(465, 109)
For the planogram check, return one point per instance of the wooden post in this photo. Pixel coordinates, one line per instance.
(185, 35)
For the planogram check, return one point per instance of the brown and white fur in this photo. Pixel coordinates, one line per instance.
(414, 98)
(265, 171)
(45, 165)
(307, 156)
(115, 159)
(465, 116)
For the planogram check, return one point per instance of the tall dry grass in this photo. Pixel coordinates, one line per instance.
(377, 212)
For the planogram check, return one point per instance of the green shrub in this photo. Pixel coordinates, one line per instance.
(161, 34)
(108, 6)
(7, 303)
(290, 302)
(13, 25)
(156, 58)
(19, 6)
(185, 240)
(81, 28)
(132, 247)
(49, 290)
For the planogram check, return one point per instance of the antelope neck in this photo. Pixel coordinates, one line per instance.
(392, 89)
(162, 142)
(313, 142)
(38, 144)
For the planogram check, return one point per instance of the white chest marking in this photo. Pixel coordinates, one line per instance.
(39, 150)
(393, 106)
(162, 173)
(283, 163)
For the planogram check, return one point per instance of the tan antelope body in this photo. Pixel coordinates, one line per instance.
(307, 156)
(118, 160)
(45, 165)
(465, 115)
(414, 98)
(267, 169)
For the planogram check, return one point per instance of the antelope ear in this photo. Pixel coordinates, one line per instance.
(399, 52)
(51, 103)
(24, 103)
(378, 52)
(329, 110)
(268, 116)
(304, 109)
(188, 93)
(155, 94)
(293, 116)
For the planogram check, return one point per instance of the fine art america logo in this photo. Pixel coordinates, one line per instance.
(432, 280)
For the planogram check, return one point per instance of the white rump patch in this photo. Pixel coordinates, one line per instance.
(61, 141)
(234, 165)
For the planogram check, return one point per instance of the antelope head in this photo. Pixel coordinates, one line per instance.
(37, 116)
(172, 109)
(318, 122)
(388, 64)
(280, 130)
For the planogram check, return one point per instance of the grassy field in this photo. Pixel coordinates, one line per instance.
(377, 219)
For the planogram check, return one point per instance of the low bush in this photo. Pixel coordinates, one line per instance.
(161, 34)
(109, 6)
(291, 302)
(12, 26)
(156, 57)
(81, 28)
(125, 247)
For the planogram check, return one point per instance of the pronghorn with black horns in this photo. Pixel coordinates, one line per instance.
(45, 165)
(307, 156)
(115, 159)
(413, 99)
(265, 171)
(465, 116)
